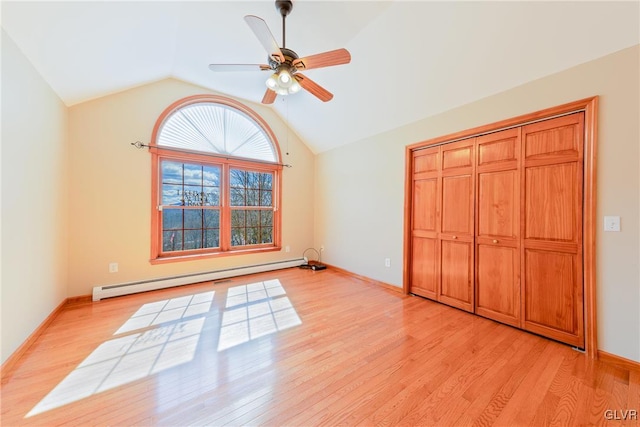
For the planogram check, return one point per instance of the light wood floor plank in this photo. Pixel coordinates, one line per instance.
(352, 353)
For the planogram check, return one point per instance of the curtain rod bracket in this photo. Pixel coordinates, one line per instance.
(139, 144)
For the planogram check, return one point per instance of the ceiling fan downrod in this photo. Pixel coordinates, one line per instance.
(285, 7)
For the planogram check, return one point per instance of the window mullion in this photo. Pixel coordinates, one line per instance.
(203, 231)
(183, 214)
(245, 229)
(225, 208)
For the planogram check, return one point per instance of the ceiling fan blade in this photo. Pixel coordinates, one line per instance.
(325, 59)
(239, 67)
(313, 88)
(262, 32)
(269, 97)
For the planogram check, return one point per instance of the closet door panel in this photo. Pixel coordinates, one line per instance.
(498, 227)
(552, 293)
(498, 204)
(492, 149)
(457, 189)
(425, 252)
(551, 201)
(457, 274)
(425, 161)
(561, 137)
(457, 204)
(456, 234)
(457, 155)
(425, 275)
(497, 284)
(425, 195)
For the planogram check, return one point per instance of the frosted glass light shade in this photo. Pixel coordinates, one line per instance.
(295, 87)
(272, 82)
(283, 82)
(284, 78)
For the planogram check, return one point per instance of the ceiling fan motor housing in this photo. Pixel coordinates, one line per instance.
(284, 6)
(289, 57)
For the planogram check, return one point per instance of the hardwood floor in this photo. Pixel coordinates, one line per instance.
(296, 347)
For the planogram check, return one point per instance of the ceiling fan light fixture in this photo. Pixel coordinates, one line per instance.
(282, 82)
(295, 87)
(272, 82)
(284, 78)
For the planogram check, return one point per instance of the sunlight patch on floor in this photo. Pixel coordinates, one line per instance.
(164, 311)
(255, 310)
(171, 341)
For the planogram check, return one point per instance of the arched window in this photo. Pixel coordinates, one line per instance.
(216, 181)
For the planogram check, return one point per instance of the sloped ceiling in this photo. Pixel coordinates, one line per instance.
(410, 59)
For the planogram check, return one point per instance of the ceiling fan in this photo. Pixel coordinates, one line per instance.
(284, 63)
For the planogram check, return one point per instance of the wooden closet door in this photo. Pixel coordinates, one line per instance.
(552, 301)
(457, 224)
(425, 271)
(498, 226)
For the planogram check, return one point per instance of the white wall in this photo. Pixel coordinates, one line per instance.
(360, 187)
(34, 199)
(110, 184)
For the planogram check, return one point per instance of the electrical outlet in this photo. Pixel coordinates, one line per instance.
(387, 262)
(611, 223)
(321, 248)
(287, 248)
(113, 267)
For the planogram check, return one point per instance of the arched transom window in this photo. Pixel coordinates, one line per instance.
(216, 180)
(211, 127)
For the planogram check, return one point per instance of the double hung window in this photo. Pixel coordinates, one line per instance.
(216, 181)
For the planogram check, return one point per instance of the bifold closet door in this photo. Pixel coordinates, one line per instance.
(456, 236)
(498, 226)
(552, 228)
(425, 271)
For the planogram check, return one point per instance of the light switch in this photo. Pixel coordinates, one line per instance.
(611, 223)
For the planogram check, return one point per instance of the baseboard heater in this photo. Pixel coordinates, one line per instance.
(108, 291)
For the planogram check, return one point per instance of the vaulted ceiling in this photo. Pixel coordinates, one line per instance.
(410, 59)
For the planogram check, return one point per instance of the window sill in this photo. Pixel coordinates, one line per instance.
(197, 257)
